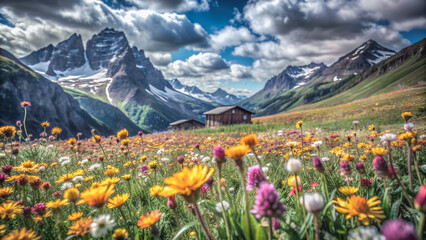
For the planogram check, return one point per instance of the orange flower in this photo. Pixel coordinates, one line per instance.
(149, 220)
(72, 141)
(249, 140)
(8, 131)
(25, 104)
(96, 139)
(123, 134)
(96, 196)
(237, 152)
(80, 227)
(56, 131)
(45, 124)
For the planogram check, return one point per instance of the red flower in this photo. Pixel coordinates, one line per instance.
(293, 191)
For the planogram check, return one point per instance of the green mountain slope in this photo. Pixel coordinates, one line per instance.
(404, 69)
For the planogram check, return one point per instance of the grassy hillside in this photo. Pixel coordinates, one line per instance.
(383, 109)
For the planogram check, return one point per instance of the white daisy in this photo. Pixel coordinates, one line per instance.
(365, 233)
(94, 167)
(66, 185)
(101, 225)
(219, 207)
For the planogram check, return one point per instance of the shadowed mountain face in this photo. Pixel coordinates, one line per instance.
(48, 102)
(285, 91)
(119, 75)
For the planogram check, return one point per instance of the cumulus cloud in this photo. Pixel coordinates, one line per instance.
(159, 58)
(53, 21)
(172, 5)
(230, 36)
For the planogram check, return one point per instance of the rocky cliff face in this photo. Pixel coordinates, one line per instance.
(122, 76)
(48, 102)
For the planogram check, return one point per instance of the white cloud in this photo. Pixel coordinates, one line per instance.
(173, 5)
(159, 58)
(230, 36)
(147, 29)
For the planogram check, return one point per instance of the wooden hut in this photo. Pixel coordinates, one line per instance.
(227, 115)
(186, 124)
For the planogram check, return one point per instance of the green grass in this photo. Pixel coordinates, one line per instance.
(78, 93)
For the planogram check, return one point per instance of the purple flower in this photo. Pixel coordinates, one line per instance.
(27, 211)
(197, 146)
(254, 177)
(6, 169)
(276, 224)
(144, 168)
(316, 161)
(398, 229)
(18, 123)
(205, 188)
(381, 167)
(180, 159)
(210, 181)
(267, 203)
(43, 135)
(219, 152)
(40, 208)
(3, 177)
(140, 133)
(360, 168)
(345, 168)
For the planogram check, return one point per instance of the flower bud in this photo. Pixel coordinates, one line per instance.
(180, 159)
(140, 133)
(293, 165)
(318, 164)
(420, 201)
(345, 168)
(381, 167)
(171, 202)
(312, 202)
(360, 168)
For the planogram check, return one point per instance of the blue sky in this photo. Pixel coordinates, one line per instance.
(236, 45)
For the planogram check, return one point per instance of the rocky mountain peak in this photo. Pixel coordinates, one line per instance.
(41, 55)
(67, 54)
(105, 47)
(359, 59)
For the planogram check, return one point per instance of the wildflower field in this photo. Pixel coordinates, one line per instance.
(297, 182)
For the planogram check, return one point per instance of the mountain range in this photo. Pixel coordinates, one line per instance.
(108, 85)
(112, 71)
(299, 85)
(218, 97)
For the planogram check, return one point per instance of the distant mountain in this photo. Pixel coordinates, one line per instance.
(286, 91)
(120, 75)
(48, 102)
(219, 96)
(361, 58)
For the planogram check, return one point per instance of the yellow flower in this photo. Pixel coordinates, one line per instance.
(348, 191)
(111, 181)
(371, 127)
(72, 194)
(125, 142)
(8, 210)
(192, 233)
(406, 116)
(360, 207)
(120, 234)
(2, 229)
(111, 171)
(186, 181)
(22, 234)
(123, 134)
(299, 124)
(5, 192)
(56, 131)
(75, 216)
(45, 124)
(127, 177)
(149, 220)
(8, 131)
(96, 197)
(72, 141)
(378, 151)
(249, 140)
(96, 139)
(80, 227)
(88, 179)
(237, 152)
(57, 203)
(65, 178)
(291, 181)
(155, 190)
(347, 157)
(118, 200)
(143, 158)
(152, 164)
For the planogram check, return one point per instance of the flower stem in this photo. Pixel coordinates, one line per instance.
(409, 167)
(243, 184)
(25, 118)
(316, 227)
(416, 163)
(203, 224)
(270, 229)
(421, 227)
(228, 232)
(396, 175)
